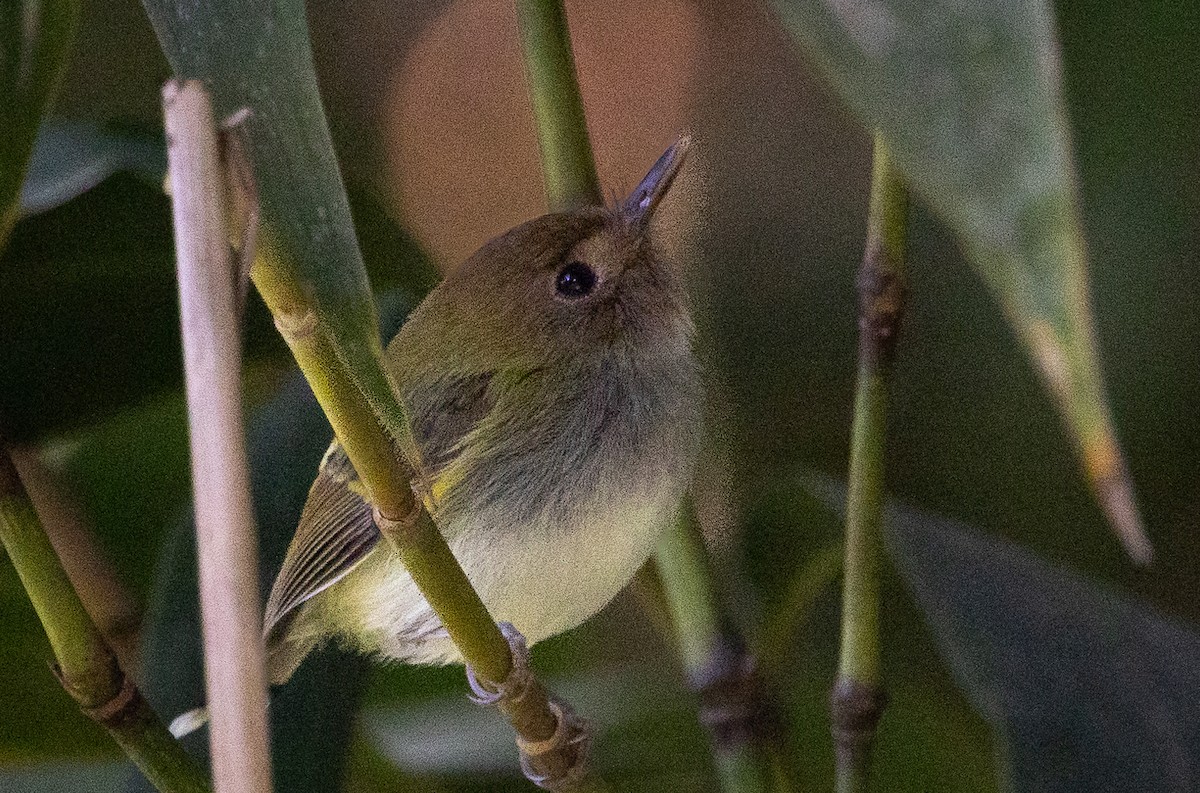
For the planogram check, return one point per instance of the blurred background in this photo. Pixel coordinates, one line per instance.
(432, 122)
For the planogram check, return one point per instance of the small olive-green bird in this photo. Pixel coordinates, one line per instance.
(556, 403)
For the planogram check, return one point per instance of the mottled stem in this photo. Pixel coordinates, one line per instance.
(743, 726)
(858, 697)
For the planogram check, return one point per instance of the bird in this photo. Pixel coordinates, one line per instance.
(555, 400)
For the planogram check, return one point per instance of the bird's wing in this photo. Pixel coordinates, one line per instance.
(336, 529)
(444, 411)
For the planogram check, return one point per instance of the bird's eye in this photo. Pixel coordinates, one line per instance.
(575, 280)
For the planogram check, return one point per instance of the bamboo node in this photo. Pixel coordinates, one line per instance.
(734, 706)
(398, 530)
(856, 708)
(117, 709)
(296, 327)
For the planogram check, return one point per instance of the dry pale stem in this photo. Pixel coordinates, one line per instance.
(225, 533)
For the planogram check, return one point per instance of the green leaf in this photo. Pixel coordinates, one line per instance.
(257, 56)
(88, 294)
(968, 97)
(35, 38)
(71, 158)
(1086, 688)
(89, 304)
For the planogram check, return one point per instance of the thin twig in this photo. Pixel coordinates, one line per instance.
(568, 167)
(858, 697)
(226, 539)
(86, 666)
(733, 707)
(744, 729)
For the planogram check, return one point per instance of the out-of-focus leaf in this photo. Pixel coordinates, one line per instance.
(88, 309)
(930, 737)
(257, 56)
(64, 777)
(35, 39)
(70, 158)
(450, 735)
(88, 300)
(1085, 688)
(311, 716)
(968, 96)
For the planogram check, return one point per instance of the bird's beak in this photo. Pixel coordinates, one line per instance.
(640, 205)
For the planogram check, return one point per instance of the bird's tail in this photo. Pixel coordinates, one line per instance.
(189, 721)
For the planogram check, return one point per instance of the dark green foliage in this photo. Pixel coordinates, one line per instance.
(1086, 689)
(71, 158)
(89, 358)
(35, 40)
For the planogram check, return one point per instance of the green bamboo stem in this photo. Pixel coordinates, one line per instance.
(716, 660)
(310, 273)
(568, 168)
(686, 579)
(414, 536)
(402, 518)
(85, 665)
(359, 422)
(858, 696)
(742, 729)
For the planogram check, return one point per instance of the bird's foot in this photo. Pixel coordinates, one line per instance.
(557, 762)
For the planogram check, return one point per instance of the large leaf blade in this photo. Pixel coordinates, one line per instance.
(257, 56)
(968, 96)
(1086, 688)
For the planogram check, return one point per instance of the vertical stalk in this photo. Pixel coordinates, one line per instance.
(719, 667)
(858, 697)
(86, 666)
(742, 727)
(226, 539)
(568, 167)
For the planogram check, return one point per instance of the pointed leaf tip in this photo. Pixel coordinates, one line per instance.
(970, 100)
(1114, 490)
